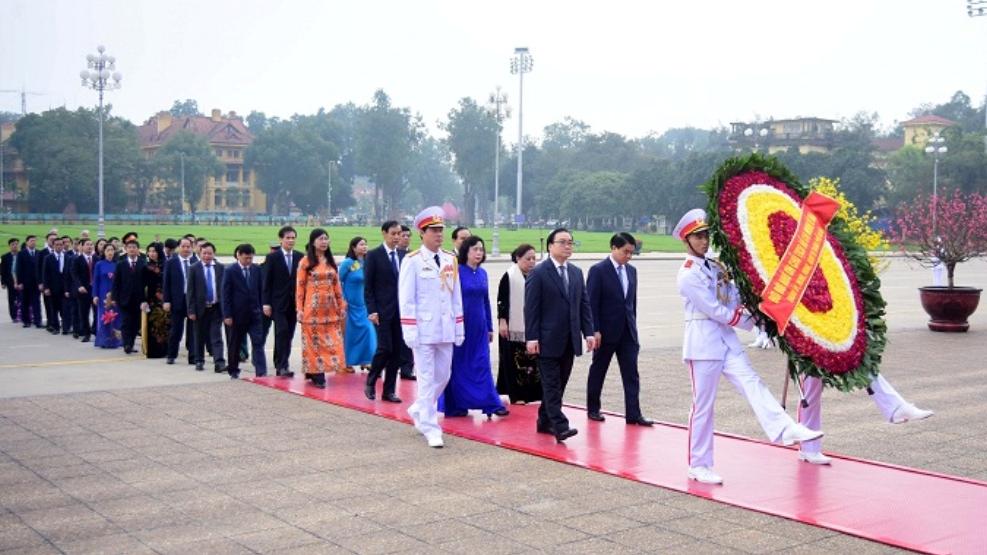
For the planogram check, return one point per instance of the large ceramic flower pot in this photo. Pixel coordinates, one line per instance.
(949, 307)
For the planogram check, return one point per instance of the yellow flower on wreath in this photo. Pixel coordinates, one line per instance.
(858, 224)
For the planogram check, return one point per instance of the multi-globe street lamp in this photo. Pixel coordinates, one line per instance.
(498, 108)
(936, 147)
(521, 63)
(978, 8)
(756, 134)
(101, 76)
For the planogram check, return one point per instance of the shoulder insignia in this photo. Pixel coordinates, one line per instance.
(450, 253)
(415, 252)
(688, 263)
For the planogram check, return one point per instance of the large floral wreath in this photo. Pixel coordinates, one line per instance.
(837, 331)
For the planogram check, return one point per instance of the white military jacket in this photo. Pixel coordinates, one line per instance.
(430, 299)
(709, 321)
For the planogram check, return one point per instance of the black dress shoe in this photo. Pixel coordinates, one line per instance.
(409, 377)
(595, 417)
(319, 380)
(191, 362)
(66, 332)
(200, 367)
(85, 339)
(285, 373)
(234, 375)
(370, 392)
(75, 336)
(640, 421)
(170, 361)
(502, 412)
(545, 430)
(127, 350)
(565, 434)
(391, 398)
(220, 369)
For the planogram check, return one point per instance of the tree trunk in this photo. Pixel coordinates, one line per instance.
(377, 201)
(949, 272)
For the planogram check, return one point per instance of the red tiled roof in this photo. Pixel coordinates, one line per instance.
(888, 144)
(226, 131)
(930, 119)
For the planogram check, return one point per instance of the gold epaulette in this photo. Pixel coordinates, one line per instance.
(414, 252)
(450, 253)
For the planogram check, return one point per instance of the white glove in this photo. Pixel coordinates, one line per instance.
(459, 340)
(411, 342)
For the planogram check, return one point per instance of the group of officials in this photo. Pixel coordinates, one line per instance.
(415, 302)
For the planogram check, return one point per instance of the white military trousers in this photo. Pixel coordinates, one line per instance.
(433, 364)
(705, 375)
(884, 395)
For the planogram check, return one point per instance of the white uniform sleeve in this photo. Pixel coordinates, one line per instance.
(407, 302)
(703, 299)
(457, 311)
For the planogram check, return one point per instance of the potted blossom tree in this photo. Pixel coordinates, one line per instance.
(947, 230)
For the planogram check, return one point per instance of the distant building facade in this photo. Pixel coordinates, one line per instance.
(919, 130)
(15, 184)
(805, 134)
(235, 189)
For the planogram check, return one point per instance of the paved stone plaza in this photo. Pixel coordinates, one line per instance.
(100, 453)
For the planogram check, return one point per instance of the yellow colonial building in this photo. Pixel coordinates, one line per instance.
(778, 135)
(232, 191)
(15, 184)
(919, 130)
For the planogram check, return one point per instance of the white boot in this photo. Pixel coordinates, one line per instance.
(814, 458)
(704, 475)
(797, 433)
(907, 412)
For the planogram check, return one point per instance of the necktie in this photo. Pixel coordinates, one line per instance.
(565, 278)
(246, 276)
(287, 259)
(89, 265)
(437, 263)
(623, 278)
(59, 262)
(394, 262)
(133, 264)
(210, 294)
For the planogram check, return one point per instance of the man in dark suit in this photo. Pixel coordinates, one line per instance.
(70, 311)
(7, 276)
(51, 320)
(612, 289)
(241, 305)
(280, 273)
(129, 293)
(82, 283)
(380, 291)
(28, 282)
(556, 319)
(53, 288)
(205, 289)
(407, 357)
(173, 286)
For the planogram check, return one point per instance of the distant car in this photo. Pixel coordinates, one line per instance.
(480, 222)
(552, 223)
(337, 220)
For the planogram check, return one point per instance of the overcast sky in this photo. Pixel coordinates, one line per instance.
(627, 67)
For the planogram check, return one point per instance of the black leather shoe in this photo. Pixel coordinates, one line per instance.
(200, 367)
(411, 377)
(170, 361)
(545, 430)
(502, 412)
(75, 336)
(391, 398)
(127, 350)
(235, 376)
(370, 392)
(85, 339)
(640, 421)
(66, 332)
(319, 380)
(285, 373)
(595, 417)
(566, 434)
(220, 369)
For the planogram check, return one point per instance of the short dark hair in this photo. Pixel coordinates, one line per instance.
(64, 237)
(186, 238)
(209, 245)
(351, 252)
(50, 235)
(620, 239)
(200, 240)
(556, 231)
(455, 232)
(520, 251)
(245, 248)
(285, 230)
(133, 242)
(170, 244)
(84, 241)
(111, 239)
(129, 234)
(405, 229)
(464, 249)
(13, 240)
(386, 226)
(29, 237)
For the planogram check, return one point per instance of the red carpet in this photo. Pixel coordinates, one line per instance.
(898, 506)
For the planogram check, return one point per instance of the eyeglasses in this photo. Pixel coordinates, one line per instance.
(563, 243)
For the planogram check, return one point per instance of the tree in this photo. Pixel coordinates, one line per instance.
(473, 133)
(60, 152)
(430, 173)
(194, 153)
(385, 139)
(186, 108)
(959, 109)
(909, 174)
(256, 121)
(9, 117)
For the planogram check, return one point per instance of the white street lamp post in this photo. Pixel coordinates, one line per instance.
(98, 77)
(978, 8)
(521, 63)
(500, 110)
(181, 156)
(936, 147)
(329, 194)
(761, 134)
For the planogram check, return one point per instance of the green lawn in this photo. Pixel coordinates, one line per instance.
(227, 237)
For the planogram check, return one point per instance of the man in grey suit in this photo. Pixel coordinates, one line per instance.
(205, 284)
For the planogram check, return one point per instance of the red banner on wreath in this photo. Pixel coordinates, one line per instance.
(784, 292)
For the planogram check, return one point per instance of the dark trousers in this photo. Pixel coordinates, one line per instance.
(70, 315)
(407, 361)
(253, 328)
(51, 315)
(208, 332)
(389, 355)
(626, 350)
(31, 306)
(12, 298)
(284, 333)
(554, 374)
(180, 325)
(85, 304)
(130, 324)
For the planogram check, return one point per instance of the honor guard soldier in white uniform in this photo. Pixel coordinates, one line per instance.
(431, 306)
(711, 348)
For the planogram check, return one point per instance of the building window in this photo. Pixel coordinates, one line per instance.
(236, 154)
(232, 174)
(246, 199)
(217, 199)
(219, 153)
